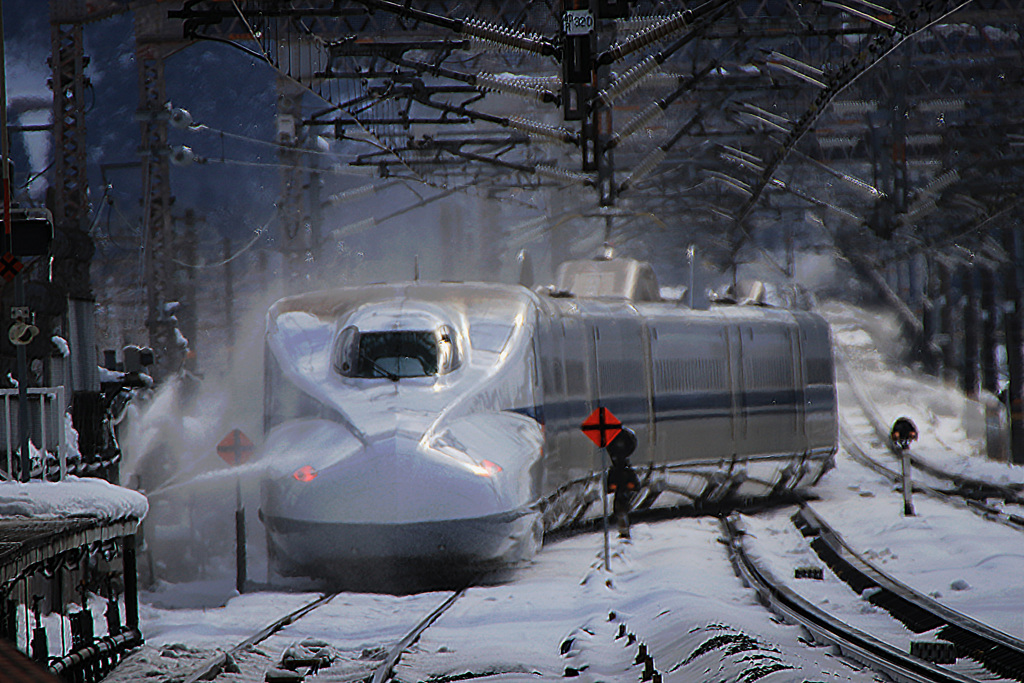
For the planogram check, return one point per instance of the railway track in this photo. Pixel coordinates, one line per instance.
(999, 502)
(312, 656)
(968, 650)
(993, 512)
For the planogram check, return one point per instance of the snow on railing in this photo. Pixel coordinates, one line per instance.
(46, 427)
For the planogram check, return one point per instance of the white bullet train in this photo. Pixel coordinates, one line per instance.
(434, 428)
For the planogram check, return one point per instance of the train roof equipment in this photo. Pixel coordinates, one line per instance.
(618, 278)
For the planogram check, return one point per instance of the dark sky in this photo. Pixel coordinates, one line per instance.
(223, 88)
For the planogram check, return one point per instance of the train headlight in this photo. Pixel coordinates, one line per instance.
(306, 473)
(485, 469)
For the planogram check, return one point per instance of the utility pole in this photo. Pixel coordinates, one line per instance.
(969, 373)
(187, 290)
(156, 39)
(1014, 342)
(990, 321)
(296, 238)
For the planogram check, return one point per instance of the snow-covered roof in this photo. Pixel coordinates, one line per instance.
(73, 497)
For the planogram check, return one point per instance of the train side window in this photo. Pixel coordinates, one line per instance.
(448, 358)
(346, 351)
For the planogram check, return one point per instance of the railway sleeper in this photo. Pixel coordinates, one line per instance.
(934, 652)
(914, 617)
(841, 568)
(809, 572)
(997, 658)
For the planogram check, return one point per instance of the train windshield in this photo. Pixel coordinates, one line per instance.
(395, 354)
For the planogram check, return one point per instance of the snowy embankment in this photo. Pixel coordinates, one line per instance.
(968, 563)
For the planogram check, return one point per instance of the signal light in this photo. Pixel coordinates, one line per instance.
(305, 474)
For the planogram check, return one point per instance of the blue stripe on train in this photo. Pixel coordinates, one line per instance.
(685, 406)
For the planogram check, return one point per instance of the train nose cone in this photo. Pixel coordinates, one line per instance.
(392, 478)
(397, 480)
(402, 497)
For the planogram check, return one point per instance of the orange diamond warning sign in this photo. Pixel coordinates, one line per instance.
(601, 427)
(235, 448)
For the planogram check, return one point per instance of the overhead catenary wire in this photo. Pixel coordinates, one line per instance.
(256, 235)
(475, 28)
(840, 81)
(659, 107)
(521, 41)
(643, 69)
(520, 87)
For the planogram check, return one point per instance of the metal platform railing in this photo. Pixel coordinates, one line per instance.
(46, 428)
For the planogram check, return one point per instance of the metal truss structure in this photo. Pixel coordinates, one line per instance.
(70, 204)
(889, 130)
(898, 118)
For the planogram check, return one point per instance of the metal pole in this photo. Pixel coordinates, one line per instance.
(692, 253)
(908, 487)
(1014, 334)
(131, 583)
(969, 370)
(229, 295)
(22, 360)
(240, 555)
(604, 514)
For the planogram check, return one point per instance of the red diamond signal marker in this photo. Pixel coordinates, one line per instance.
(235, 448)
(601, 427)
(10, 266)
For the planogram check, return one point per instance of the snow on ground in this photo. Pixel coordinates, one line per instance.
(671, 588)
(951, 427)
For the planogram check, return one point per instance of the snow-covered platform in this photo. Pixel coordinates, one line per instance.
(41, 520)
(50, 533)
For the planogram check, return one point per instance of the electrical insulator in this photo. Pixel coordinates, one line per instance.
(182, 156)
(643, 169)
(650, 112)
(628, 80)
(650, 35)
(505, 37)
(180, 118)
(512, 87)
(555, 173)
(540, 130)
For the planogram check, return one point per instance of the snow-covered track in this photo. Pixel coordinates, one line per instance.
(998, 652)
(384, 671)
(955, 497)
(967, 488)
(215, 665)
(823, 627)
(377, 669)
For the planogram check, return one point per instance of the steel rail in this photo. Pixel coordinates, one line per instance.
(998, 652)
(989, 512)
(825, 628)
(383, 672)
(967, 487)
